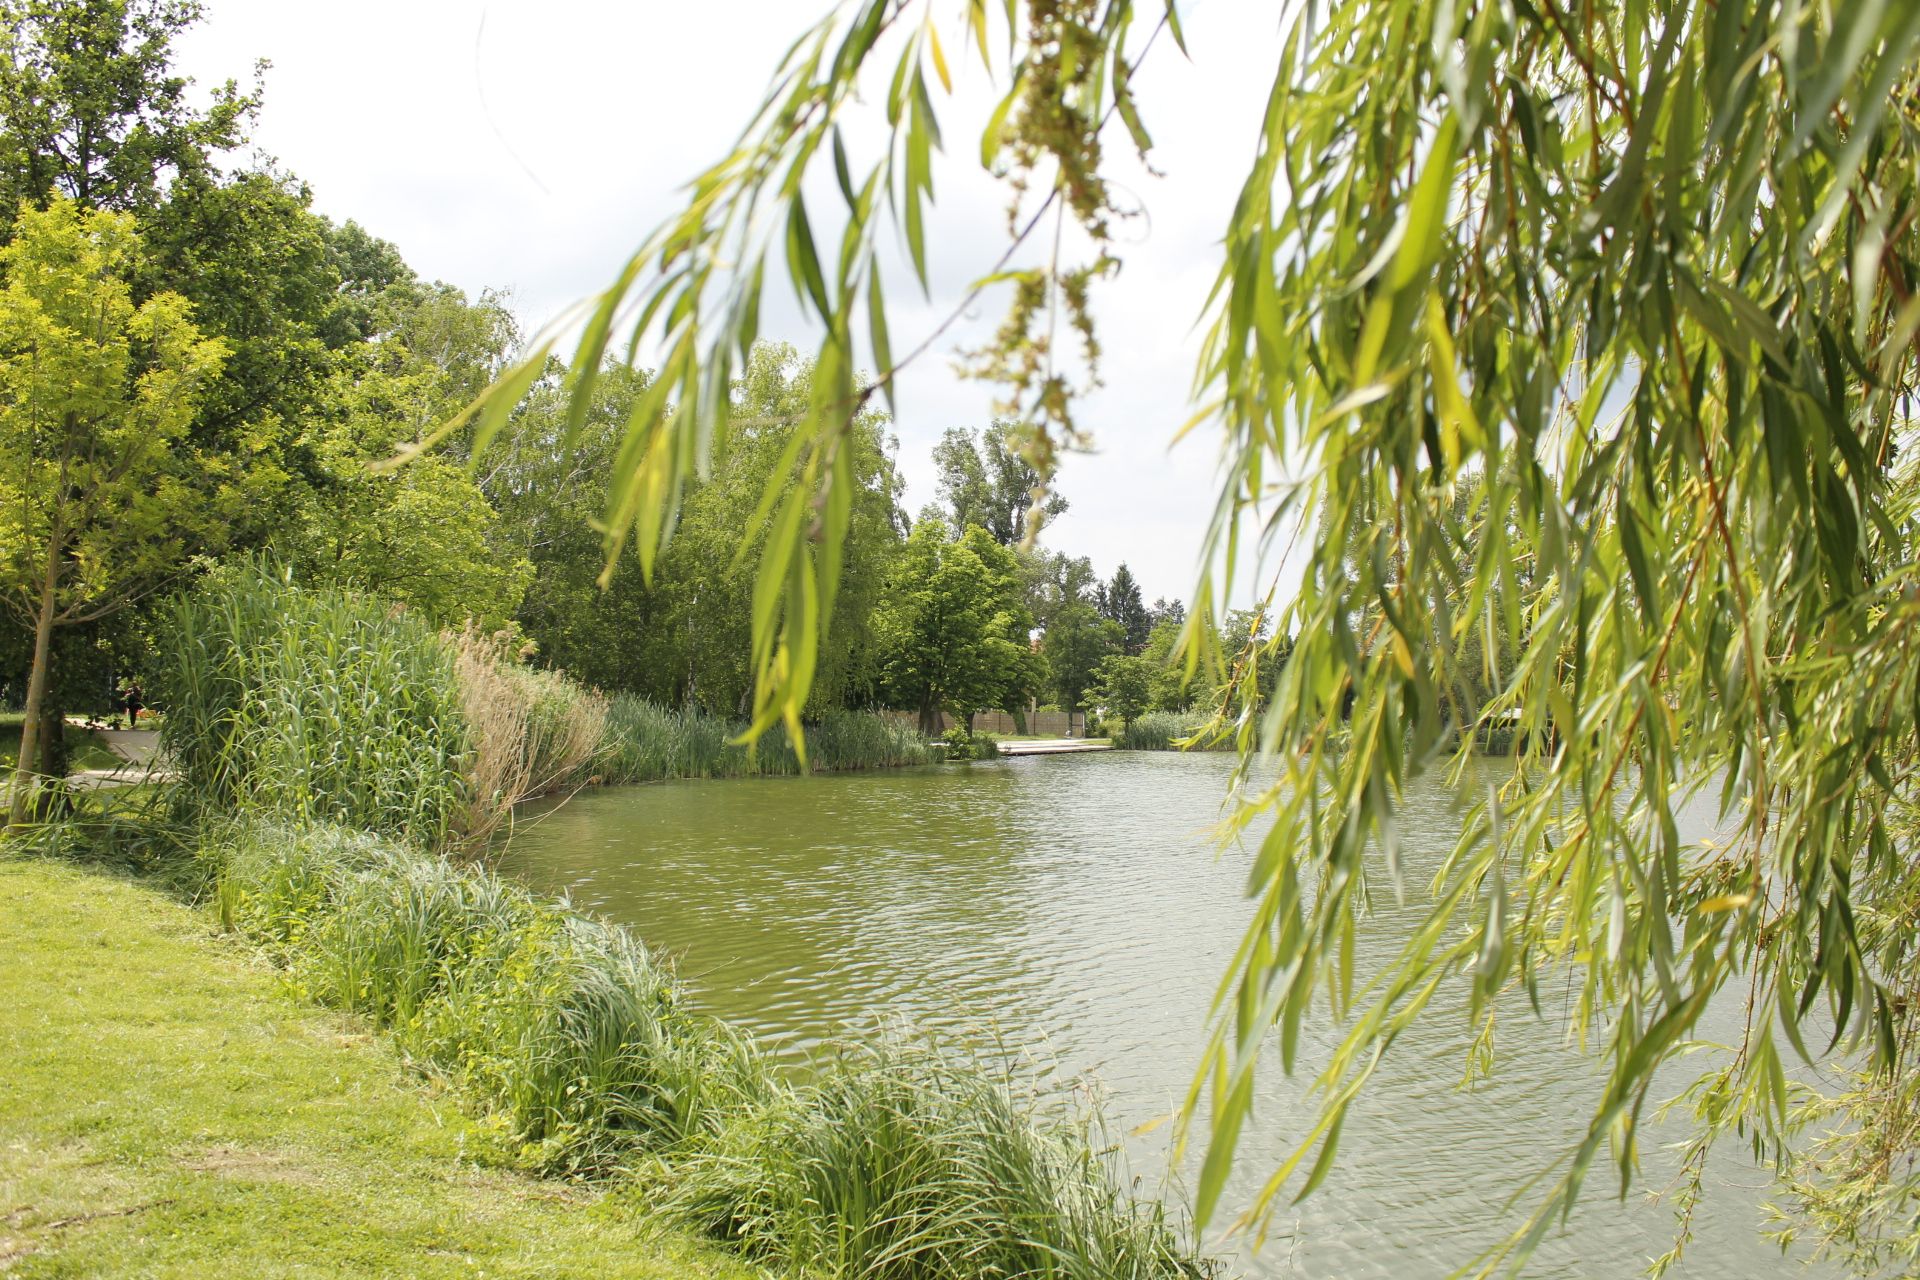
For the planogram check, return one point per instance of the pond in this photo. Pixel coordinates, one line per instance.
(1074, 909)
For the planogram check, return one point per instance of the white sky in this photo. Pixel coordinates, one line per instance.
(529, 147)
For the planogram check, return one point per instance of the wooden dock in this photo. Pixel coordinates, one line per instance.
(1052, 747)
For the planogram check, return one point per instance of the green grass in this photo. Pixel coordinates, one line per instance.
(169, 1111)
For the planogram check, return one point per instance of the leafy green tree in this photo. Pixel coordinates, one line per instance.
(1168, 689)
(1637, 276)
(423, 535)
(987, 481)
(90, 108)
(1120, 602)
(950, 641)
(97, 491)
(1076, 642)
(684, 635)
(1123, 685)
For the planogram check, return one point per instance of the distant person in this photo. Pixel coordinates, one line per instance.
(134, 699)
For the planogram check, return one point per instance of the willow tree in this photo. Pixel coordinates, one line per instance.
(1587, 328)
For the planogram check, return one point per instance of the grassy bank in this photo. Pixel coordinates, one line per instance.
(888, 1161)
(169, 1111)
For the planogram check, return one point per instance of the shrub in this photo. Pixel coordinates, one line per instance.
(961, 744)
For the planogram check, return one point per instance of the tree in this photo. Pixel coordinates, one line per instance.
(1077, 641)
(1120, 603)
(1123, 684)
(1169, 689)
(987, 481)
(89, 108)
(422, 535)
(948, 641)
(1639, 278)
(96, 496)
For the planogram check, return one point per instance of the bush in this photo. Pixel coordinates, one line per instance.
(961, 744)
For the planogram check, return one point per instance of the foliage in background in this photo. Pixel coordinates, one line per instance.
(954, 627)
(681, 634)
(985, 481)
(1593, 333)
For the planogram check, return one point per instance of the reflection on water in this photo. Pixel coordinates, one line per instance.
(1074, 907)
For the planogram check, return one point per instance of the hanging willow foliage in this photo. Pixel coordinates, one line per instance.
(1582, 330)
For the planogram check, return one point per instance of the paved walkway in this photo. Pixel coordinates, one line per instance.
(137, 747)
(1052, 747)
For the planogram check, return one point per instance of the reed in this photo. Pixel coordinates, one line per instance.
(312, 706)
(1164, 731)
(533, 732)
(649, 743)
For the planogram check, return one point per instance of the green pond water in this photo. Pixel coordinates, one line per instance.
(1075, 910)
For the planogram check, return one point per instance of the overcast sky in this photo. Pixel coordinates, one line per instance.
(529, 147)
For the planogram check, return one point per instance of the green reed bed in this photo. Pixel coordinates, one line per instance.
(1164, 731)
(890, 1162)
(649, 743)
(312, 706)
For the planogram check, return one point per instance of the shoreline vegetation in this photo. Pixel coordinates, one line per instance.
(332, 773)
(171, 1113)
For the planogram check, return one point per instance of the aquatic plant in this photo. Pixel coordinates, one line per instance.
(1161, 731)
(646, 742)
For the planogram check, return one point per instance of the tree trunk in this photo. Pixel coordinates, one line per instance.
(929, 727)
(25, 769)
(1019, 714)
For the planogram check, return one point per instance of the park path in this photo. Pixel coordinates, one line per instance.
(138, 747)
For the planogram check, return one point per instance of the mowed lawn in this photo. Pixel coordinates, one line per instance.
(167, 1109)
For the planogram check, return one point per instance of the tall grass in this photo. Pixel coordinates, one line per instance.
(534, 732)
(648, 743)
(911, 1162)
(312, 706)
(1163, 731)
